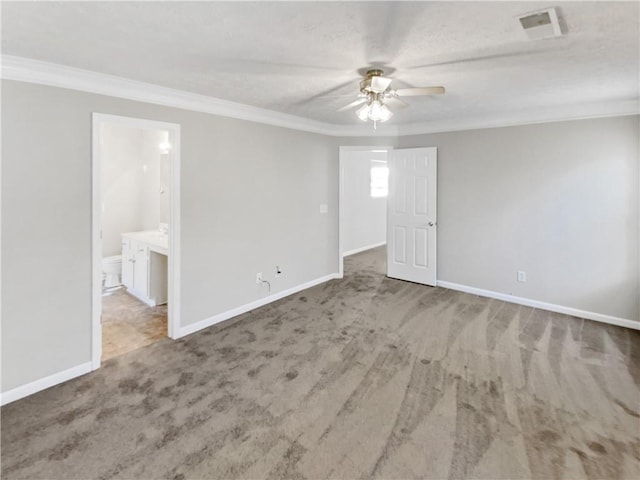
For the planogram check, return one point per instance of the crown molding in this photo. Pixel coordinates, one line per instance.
(55, 75)
(45, 73)
(558, 113)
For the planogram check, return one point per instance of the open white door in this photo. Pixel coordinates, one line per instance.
(411, 215)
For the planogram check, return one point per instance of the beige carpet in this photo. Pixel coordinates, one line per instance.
(366, 377)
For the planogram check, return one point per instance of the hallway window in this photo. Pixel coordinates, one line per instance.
(379, 182)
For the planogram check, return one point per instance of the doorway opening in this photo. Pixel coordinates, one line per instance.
(135, 231)
(389, 196)
(363, 200)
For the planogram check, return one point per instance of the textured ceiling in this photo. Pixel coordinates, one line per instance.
(304, 58)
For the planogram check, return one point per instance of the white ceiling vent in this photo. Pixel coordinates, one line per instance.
(541, 24)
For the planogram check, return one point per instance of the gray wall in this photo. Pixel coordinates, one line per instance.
(250, 201)
(557, 200)
(364, 220)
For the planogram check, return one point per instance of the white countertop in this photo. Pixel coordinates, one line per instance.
(157, 241)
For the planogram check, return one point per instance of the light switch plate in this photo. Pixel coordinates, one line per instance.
(324, 208)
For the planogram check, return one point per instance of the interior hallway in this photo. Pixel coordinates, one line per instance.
(360, 377)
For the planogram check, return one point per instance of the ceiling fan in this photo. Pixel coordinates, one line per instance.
(376, 94)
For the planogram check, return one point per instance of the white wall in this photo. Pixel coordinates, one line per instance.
(557, 200)
(364, 218)
(250, 200)
(130, 182)
(150, 197)
(120, 185)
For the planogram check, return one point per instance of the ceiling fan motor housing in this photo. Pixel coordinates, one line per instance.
(375, 82)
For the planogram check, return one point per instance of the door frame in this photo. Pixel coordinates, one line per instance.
(343, 151)
(173, 309)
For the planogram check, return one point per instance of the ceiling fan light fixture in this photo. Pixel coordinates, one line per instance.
(363, 113)
(379, 112)
(375, 110)
(375, 89)
(385, 113)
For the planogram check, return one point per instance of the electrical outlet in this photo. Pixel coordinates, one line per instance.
(278, 271)
(259, 277)
(522, 276)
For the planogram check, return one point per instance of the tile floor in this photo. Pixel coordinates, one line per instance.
(128, 324)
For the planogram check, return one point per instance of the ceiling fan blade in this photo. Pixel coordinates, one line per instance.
(262, 67)
(413, 92)
(353, 104)
(328, 93)
(395, 103)
(511, 51)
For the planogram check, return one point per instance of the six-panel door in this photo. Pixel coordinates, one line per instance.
(411, 215)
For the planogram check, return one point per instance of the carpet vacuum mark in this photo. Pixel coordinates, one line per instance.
(364, 377)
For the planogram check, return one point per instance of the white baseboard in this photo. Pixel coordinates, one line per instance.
(44, 383)
(84, 368)
(221, 317)
(598, 317)
(358, 250)
(60, 377)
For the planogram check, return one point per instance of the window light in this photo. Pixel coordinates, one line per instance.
(379, 182)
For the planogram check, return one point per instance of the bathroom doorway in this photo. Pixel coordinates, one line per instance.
(135, 231)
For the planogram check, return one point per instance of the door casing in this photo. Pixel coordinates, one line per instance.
(173, 308)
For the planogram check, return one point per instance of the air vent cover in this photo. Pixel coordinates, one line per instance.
(541, 24)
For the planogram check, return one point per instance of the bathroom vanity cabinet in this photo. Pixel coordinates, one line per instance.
(144, 266)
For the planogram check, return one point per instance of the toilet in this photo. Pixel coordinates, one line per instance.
(112, 268)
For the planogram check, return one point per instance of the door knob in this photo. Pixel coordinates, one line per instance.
(431, 224)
